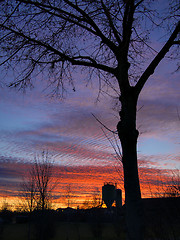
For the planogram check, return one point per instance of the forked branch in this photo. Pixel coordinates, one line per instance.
(152, 66)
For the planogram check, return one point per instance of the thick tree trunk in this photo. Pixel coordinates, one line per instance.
(128, 135)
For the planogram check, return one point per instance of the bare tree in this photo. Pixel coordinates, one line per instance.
(108, 38)
(94, 201)
(168, 187)
(29, 190)
(69, 194)
(172, 189)
(38, 185)
(96, 198)
(86, 204)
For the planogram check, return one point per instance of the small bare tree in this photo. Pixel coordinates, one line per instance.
(167, 188)
(173, 188)
(69, 194)
(96, 198)
(29, 191)
(38, 184)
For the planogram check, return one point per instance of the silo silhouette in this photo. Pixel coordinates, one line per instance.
(118, 198)
(108, 194)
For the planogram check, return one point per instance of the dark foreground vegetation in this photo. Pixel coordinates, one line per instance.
(161, 221)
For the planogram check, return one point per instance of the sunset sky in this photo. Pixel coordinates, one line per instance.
(33, 122)
(81, 151)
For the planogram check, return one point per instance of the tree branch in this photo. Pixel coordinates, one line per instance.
(8, 17)
(150, 69)
(64, 57)
(176, 42)
(13, 54)
(103, 124)
(86, 18)
(64, 14)
(111, 23)
(99, 33)
(137, 4)
(127, 25)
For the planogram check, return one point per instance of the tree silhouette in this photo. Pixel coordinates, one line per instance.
(38, 184)
(172, 189)
(69, 195)
(108, 38)
(28, 188)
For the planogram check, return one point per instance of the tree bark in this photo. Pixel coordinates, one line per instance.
(128, 135)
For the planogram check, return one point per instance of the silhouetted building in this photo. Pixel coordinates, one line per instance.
(111, 194)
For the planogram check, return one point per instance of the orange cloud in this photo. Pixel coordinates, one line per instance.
(84, 181)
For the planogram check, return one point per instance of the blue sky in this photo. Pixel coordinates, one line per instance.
(32, 121)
